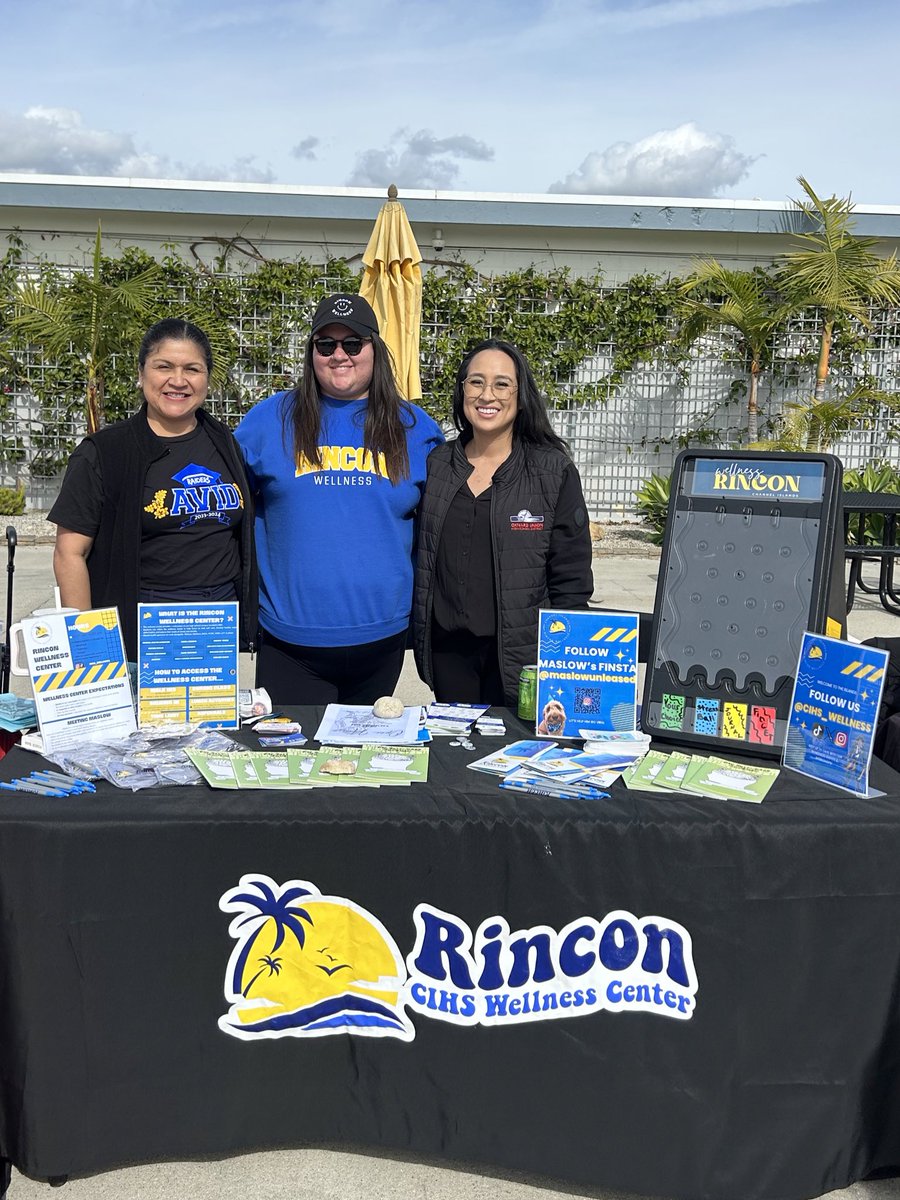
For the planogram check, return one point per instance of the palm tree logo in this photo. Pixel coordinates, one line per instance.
(270, 964)
(262, 904)
(309, 965)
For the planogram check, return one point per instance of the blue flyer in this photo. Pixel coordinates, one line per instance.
(188, 664)
(587, 672)
(78, 671)
(834, 711)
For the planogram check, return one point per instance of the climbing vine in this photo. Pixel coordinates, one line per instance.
(583, 338)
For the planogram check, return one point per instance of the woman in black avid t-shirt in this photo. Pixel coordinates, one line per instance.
(154, 508)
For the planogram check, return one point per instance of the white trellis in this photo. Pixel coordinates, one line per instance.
(617, 442)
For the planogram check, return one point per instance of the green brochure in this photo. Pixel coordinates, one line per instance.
(671, 774)
(695, 767)
(245, 769)
(271, 768)
(338, 766)
(394, 764)
(216, 767)
(641, 776)
(300, 764)
(728, 780)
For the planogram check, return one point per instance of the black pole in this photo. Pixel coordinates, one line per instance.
(10, 571)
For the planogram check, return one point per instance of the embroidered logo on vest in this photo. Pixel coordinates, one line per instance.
(524, 520)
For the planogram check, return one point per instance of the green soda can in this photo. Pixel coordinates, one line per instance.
(528, 693)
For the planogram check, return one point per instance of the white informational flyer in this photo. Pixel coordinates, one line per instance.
(356, 725)
(79, 675)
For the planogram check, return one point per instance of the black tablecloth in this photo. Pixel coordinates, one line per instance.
(785, 1082)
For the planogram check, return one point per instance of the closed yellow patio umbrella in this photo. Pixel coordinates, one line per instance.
(392, 284)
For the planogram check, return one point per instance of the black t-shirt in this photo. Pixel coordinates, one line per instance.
(191, 511)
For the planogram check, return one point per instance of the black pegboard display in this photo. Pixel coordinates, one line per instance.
(752, 558)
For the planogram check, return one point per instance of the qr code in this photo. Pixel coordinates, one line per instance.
(706, 717)
(587, 700)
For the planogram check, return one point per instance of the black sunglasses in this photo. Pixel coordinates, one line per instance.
(350, 345)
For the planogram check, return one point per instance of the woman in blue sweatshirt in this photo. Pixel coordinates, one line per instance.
(337, 467)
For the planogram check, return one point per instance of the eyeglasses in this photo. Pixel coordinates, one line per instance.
(350, 345)
(499, 389)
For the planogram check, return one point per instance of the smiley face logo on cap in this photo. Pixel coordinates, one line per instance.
(342, 307)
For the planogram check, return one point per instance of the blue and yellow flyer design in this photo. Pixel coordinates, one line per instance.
(587, 672)
(79, 675)
(188, 664)
(834, 711)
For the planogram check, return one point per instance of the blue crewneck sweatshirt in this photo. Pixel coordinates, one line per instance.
(334, 543)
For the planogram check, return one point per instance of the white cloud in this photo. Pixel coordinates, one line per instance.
(55, 141)
(306, 148)
(614, 17)
(685, 161)
(417, 160)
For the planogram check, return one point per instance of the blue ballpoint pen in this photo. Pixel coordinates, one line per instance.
(55, 777)
(29, 782)
(68, 783)
(20, 785)
(82, 785)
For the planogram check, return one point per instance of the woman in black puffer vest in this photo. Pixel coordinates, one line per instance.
(503, 532)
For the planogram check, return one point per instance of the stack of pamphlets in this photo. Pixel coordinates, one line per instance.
(16, 713)
(357, 725)
(491, 726)
(280, 732)
(444, 720)
(503, 761)
(697, 775)
(548, 769)
(627, 743)
(331, 766)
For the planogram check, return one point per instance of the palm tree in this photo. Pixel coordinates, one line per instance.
(270, 964)
(88, 316)
(837, 273)
(714, 296)
(261, 907)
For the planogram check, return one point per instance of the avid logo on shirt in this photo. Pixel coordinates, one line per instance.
(346, 459)
(199, 495)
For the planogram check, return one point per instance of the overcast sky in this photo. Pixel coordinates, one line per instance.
(704, 98)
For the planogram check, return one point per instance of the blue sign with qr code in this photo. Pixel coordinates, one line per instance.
(834, 711)
(587, 673)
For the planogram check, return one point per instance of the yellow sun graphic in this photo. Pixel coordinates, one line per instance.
(342, 952)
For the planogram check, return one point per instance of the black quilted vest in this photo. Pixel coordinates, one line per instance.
(523, 504)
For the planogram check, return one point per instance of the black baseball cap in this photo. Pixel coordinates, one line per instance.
(344, 309)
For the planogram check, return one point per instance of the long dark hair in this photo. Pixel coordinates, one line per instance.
(178, 330)
(532, 424)
(388, 415)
